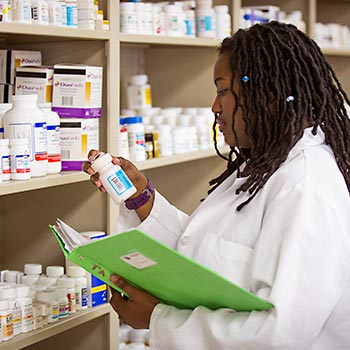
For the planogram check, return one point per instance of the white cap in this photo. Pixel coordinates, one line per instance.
(138, 80)
(4, 304)
(29, 279)
(22, 291)
(32, 269)
(8, 293)
(65, 282)
(102, 160)
(11, 276)
(75, 271)
(55, 271)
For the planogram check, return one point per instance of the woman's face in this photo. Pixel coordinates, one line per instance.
(224, 104)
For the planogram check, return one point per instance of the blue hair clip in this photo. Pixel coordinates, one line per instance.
(245, 78)
(290, 98)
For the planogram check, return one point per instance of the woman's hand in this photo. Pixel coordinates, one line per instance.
(136, 177)
(135, 311)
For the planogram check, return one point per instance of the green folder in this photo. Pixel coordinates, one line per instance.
(161, 271)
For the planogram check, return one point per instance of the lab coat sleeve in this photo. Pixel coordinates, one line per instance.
(164, 223)
(300, 264)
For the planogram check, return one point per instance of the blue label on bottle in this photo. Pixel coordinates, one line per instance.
(119, 182)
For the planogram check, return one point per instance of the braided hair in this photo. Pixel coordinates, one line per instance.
(288, 85)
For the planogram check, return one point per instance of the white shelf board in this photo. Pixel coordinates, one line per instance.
(63, 178)
(53, 31)
(336, 52)
(167, 40)
(179, 158)
(23, 340)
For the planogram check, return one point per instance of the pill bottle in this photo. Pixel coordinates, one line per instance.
(49, 297)
(4, 107)
(222, 22)
(26, 305)
(63, 305)
(136, 136)
(54, 271)
(29, 280)
(113, 178)
(10, 295)
(5, 159)
(6, 320)
(54, 164)
(33, 269)
(128, 18)
(123, 140)
(40, 13)
(31, 121)
(139, 94)
(69, 284)
(19, 159)
(55, 12)
(81, 294)
(205, 19)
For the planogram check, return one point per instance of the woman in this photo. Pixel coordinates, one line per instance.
(277, 220)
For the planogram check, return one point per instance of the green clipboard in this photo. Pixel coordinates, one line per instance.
(161, 271)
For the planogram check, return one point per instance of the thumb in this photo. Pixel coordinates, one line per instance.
(122, 284)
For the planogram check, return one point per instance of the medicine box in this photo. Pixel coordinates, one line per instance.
(35, 80)
(78, 136)
(77, 91)
(97, 289)
(12, 59)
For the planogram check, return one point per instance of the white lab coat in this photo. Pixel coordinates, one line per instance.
(290, 245)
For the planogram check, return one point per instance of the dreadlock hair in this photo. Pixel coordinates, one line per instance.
(287, 85)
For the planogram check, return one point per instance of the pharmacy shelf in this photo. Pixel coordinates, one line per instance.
(179, 158)
(336, 52)
(64, 178)
(41, 31)
(23, 340)
(166, 40)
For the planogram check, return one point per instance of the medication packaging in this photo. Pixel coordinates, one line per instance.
(77, 91)
(35, 80)
(113, 178)
(26, 120)
(20, 159)
(5, 159)
(12, 59)
(78, 136)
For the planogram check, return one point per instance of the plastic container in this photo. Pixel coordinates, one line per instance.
(222, 22)
(54, 164)
(69, 284)
(49, 297)
(81, 294)
(123, 140)
(63, 304)
(5, 159)
(113, 178)
(40, 13)
(10, 295)
(26, 305)
(20, 159)
(139, 92)
(205, 19)
(136, 136)
(26, 120)
(33, 269)
(6, 320)
(4, 107)
(128, 18)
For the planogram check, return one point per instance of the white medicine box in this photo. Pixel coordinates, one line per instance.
(35, 80)
(12, 59)
(77, 91)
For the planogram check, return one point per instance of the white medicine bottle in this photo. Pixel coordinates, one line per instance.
(113, 178)
(139, 92)
(19, 155)
(31, 121)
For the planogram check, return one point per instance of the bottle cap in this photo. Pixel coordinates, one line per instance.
(32, 269)
(11, 276)
(140, 79)
(54, 271)
(134, 120)
(75, 271)
(101, 160)
(65, 282)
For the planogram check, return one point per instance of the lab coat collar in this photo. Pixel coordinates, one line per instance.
(307, 140)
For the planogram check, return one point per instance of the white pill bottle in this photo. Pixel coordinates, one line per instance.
(113, 178)
(26, 120)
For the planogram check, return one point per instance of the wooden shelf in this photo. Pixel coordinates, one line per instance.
(35, 32)
(23, 340)
(167, 40)
(179, 158)
(64, 178)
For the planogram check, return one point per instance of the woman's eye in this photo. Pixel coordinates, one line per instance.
(222, 91)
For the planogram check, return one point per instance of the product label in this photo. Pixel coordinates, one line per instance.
(20, 164)
(53, 143)
(5, 165)
(63, 309)
(138, 260)
(72, 306)
(7, 326)
(119, 182)
(25, 131)
(84, 297)
(55, 312)
(40, 141)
